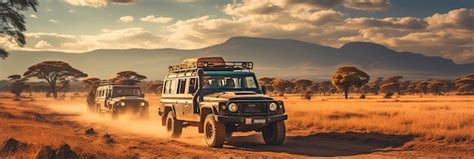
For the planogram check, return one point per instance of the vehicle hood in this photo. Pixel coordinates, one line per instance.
(235, 95)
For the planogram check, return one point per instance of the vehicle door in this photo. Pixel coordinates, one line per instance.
(180, 98)
(191, 87)
(100, 98)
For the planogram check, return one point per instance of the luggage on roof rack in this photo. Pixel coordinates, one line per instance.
(210, 63)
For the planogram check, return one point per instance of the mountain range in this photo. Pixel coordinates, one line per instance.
(283, 58)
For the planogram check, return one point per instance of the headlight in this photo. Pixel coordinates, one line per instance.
(233, 107)
(273, 107)
(122, 104)
(142, 104)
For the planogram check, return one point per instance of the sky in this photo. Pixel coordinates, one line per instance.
(431, 27)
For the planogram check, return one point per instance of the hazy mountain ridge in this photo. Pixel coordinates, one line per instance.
(283, 58)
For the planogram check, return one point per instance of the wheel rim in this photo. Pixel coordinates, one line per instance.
(209, 131)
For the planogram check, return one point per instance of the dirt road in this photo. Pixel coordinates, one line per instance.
(45, 122)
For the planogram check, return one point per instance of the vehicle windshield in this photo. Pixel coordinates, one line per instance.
(125, 91)
(229, 82)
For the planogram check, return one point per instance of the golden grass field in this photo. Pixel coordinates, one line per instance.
(447, 119)
(326, 126)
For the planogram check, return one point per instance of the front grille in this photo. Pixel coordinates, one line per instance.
(132, 103)
(253, 108)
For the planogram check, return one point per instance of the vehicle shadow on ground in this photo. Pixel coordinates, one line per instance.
(324, 144)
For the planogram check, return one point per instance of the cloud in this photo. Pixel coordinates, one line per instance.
(460, 18)
(72, 11)
(409, 23)
(153, 19)
(320, 4)
(125, 19)
(367, 5)
(43, 45)
(53, 21)
(97, 3)
(443, 34)
(107, 39)
(34, 16)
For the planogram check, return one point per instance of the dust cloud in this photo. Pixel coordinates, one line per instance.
(125, 124)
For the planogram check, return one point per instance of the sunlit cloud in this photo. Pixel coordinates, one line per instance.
(53, 21)
(97, 3)
(43, 45)
(153, 19)
(125, 19)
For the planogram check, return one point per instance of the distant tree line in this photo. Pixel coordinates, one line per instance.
(350, 79)
(55, 77)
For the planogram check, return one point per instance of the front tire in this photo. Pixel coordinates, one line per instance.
(274, 134)
(173, 126)
(214, 132)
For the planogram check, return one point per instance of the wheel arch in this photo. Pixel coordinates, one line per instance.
(167, 108)
(204, 111)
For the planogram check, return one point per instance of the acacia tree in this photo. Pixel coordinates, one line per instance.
(128, 78)
(54, 72)
(325, 87)
(13, 21)
(436, 87)
(17, 85)
(302, 85)
(375, 85)
(91, 83)
(389, 89)
(346, 77)
(281, 85)
(394, 82)
(265, 81)
(155, 87)
(422, 87)
(465, 84)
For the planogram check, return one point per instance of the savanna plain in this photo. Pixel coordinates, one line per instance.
(325, 126)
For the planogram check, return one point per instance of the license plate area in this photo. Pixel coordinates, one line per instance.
(255, 121)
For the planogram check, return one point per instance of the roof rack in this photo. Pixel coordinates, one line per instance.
(105, 82)
(210, 64)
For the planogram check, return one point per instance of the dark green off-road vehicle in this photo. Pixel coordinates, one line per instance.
(219, 98)
(118, 99)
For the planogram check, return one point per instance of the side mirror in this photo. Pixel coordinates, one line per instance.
(264, 90)
(142, 95)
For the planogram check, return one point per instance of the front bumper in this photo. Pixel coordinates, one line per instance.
(251, 120)
(133, 109)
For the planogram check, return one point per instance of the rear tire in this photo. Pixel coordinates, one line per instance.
(274, 134)
(173, 126)
(214, 132)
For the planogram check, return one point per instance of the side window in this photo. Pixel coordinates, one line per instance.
(192, 85)
(250, 82)
(166, 87)
(173, 86)
(181, 86)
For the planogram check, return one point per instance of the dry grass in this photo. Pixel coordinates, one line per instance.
(433, 121)
(445, 118)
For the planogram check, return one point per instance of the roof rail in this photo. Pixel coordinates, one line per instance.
(105, 82)
(210, 63)
(227, 66)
